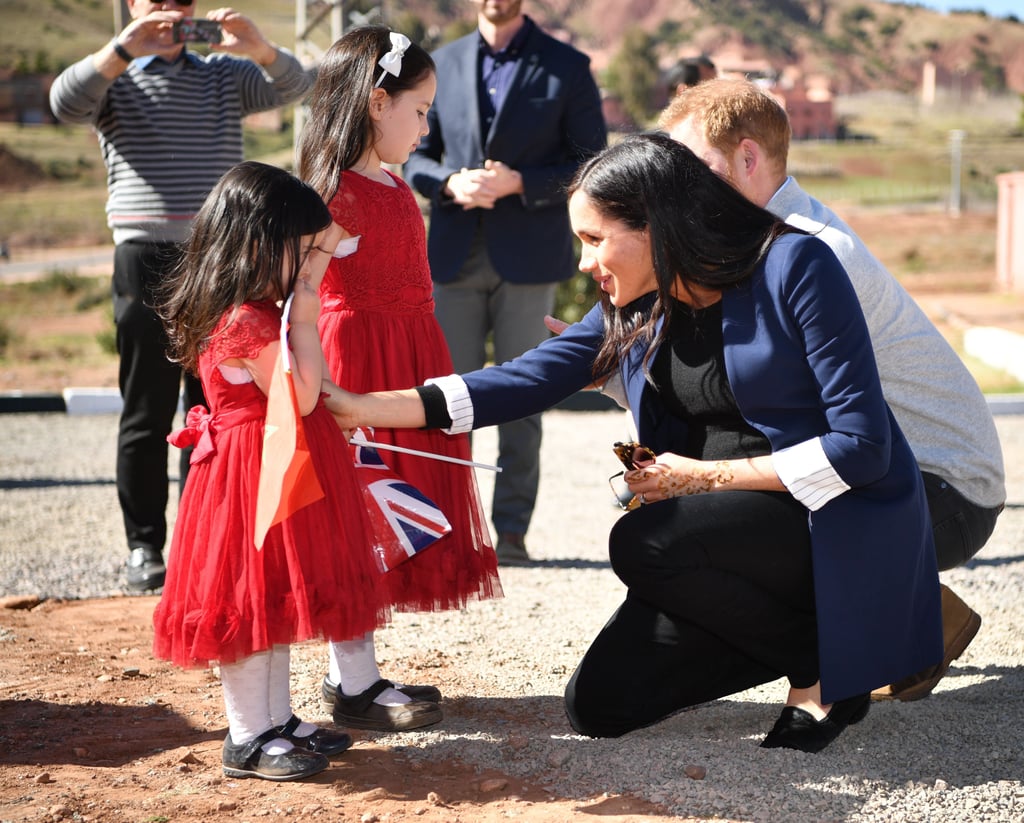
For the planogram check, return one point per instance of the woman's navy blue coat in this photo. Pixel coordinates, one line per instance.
(800, 366)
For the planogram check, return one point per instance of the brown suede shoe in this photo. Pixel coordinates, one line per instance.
(959, 625)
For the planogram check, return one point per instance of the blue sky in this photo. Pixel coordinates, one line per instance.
(995, 8)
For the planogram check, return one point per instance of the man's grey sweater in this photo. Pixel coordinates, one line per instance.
(933, 396)
(168, 131)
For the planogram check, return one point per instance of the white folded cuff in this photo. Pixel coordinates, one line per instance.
(457, 399)
(805, 471)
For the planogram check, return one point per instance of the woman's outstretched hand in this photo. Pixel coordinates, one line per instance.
(341, 404)
(384, 409)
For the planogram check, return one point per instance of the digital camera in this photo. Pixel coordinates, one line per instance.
(196, 31)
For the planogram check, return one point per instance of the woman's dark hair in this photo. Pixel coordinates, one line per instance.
(702, 231)
(249, 227)
(339, 130)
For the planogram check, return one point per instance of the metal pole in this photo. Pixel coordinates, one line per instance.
(308, 52)
(121, 16)
(956, 139)
(301, 53)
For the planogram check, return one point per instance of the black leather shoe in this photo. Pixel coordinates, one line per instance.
(249, 760)
(360, 712)
(797, 729)
(431, 694)
(327, 742)
(145, 569)
(511, 550)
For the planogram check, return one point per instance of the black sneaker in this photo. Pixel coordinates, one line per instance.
(145, 569)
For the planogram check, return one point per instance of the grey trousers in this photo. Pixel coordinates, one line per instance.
(478, 304)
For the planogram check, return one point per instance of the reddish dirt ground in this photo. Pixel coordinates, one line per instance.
(93, 728)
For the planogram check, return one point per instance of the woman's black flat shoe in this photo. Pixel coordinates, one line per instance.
(326, 742)
(797, 729)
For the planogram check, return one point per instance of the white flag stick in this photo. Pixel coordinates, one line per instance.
(431, 455)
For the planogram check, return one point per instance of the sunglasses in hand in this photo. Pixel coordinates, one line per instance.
(630, 454)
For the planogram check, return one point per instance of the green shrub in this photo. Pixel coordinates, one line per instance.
(575, 297)
(61, 280)
(107, 339)
(6, 337)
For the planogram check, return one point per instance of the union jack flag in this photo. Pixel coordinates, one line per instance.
(405, 521)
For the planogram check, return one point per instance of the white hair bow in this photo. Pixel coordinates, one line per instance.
(392, 61)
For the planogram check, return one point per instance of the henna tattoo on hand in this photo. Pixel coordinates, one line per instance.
(723, 473)
(671, 485)
(697, 482)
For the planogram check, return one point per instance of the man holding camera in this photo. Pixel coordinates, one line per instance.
(169, 123)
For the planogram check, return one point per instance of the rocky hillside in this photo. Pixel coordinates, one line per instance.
(860, 44)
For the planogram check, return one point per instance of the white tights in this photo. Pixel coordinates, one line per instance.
(353, 666)
(257, 697)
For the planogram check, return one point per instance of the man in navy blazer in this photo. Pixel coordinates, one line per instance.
(516, 112)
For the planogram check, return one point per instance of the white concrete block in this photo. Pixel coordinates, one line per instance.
(92, 401)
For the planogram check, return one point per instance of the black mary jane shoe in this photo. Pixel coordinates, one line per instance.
(798, 729)
(249, 760)
(360, 712)
(325, 741)
(428, 694)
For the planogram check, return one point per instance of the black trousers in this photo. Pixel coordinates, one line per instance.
(960, 527)
(720, 599)
(150, 385)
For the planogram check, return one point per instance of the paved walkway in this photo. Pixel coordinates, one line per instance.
(31, 264)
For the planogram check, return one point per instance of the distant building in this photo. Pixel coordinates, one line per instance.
(732, 62)
(810, 109)
(808, 99)
(953, 86)
(1010, 232)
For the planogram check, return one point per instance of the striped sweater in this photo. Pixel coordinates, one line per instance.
(168, 131)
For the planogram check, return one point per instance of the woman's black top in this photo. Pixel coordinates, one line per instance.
(689, 372)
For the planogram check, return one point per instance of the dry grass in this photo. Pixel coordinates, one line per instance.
(58, 332)
(55, 333)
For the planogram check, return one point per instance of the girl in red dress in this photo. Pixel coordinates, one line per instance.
(367, 109)
(261, 235)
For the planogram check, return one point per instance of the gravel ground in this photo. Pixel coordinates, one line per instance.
(956, 756)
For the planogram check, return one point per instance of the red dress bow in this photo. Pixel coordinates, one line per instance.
(198, 432)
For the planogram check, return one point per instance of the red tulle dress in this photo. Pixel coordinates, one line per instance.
(378, 331)
(223, 599)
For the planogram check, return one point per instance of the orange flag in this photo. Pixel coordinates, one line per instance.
(288, 479)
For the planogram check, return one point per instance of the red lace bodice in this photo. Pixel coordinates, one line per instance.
(241, 334)
(389, 270)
